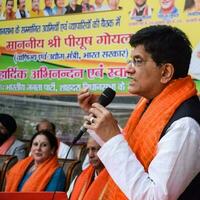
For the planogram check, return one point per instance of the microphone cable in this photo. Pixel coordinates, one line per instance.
(105, 98)
(62, 167)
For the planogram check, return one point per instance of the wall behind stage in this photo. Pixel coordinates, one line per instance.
(58, 55)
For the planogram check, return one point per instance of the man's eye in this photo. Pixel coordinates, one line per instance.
(137, 61)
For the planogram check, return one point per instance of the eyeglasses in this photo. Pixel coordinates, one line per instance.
(137, 62)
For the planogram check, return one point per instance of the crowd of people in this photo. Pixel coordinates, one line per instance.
(155, 156)
(141, 10)
(40, 165)
(53, 8)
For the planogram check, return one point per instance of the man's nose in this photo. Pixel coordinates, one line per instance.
(91, 153)
(130, 69)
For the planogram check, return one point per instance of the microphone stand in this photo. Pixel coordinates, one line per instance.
(65, 159)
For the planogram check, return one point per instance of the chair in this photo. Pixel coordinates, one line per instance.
(79, 151)
(71, 169)
(27, 146)
(6, 162)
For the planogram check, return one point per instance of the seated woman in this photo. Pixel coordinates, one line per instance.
(40, 171)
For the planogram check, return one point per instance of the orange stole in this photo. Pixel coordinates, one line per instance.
(7, 144)
(143, 130)
(86, 190)
(37, 181)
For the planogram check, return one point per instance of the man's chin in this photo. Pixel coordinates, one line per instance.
(93, 163)
(132, 91)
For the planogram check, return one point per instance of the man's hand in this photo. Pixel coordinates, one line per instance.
(86, 99)
(104, 124)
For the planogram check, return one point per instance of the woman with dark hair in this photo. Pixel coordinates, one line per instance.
(40, 171)
(9, 13)
(192, 6)
(59, 8)
(86, 6)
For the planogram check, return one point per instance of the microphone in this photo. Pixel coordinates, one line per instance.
(106, 98)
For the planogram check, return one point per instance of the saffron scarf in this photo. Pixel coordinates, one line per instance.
(86, 188)
(7, 144)
(9, 15)
(37, 181)
(144, 127)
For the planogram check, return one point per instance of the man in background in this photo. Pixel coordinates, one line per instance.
(99, 6)
(45, 124)
(1, 12)
(22, 12)
(48, 11)
(85, 183)
(35, 11)
(113, 4)
(141, 10)
(194, 69)
(9, 145)
(73, 7)
(167, 9)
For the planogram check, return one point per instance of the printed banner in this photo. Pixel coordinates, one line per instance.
(58, 47)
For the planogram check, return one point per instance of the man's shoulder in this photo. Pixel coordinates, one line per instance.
(189, 108)
(17, 146)
(18, 143)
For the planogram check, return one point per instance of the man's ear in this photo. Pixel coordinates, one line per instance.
(167, 72)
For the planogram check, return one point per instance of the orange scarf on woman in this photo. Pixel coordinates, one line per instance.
(37, 181)
(88, 189)
(7, 144)
(144, 128)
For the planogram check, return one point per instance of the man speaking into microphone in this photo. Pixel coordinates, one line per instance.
(157, 155)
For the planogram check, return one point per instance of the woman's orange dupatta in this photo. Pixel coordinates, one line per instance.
(7, 144)
(37, 181)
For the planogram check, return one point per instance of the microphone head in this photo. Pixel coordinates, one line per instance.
(107, 96)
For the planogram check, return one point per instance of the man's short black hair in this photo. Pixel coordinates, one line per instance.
(165, 44)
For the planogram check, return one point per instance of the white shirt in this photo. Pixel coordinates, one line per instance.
(62, 151)
(177, 162)
(101, 8)
(18, 15)
(2, 17)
